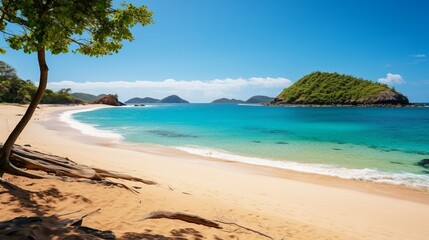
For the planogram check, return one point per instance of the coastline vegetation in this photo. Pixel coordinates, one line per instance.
(13, 89)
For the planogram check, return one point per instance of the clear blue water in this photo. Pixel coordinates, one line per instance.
(390, 140)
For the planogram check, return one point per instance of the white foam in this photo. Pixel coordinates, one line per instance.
(373, 175)
(87, 129)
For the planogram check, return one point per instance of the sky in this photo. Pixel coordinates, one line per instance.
(202, 50)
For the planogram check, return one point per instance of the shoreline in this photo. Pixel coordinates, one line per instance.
(284, 201)
(405, 179)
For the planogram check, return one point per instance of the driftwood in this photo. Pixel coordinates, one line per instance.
(67, 213)
(113, 174)
(183, 217)
(23, 159)
(246, 228)
(197, 220)
(78, 221)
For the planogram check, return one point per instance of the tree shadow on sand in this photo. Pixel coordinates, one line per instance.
(37, 221)
(177, 234)
(41, 225)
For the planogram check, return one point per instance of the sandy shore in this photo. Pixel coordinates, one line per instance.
(280, 203)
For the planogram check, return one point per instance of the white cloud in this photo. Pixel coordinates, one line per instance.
(194, 91)
(392, 79)
(420, 55)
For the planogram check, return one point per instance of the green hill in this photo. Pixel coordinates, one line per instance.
(86, 96)
(323, 88)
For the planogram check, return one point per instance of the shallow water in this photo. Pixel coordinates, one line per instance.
(359, 143)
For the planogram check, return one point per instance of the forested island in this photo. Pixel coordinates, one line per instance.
(258, 99)
(169, 99)
(322, 88)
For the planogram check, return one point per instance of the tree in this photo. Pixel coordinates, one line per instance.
(7, 72)
(65, 90)
(89, 27)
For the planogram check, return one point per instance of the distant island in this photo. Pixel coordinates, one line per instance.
(169, 99)
(226, 100)
(258, 99)
(173, 99)
(322, 88)
(143, 100)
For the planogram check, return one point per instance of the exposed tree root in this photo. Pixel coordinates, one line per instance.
(51, 164)
(183, 217)
(23, 159)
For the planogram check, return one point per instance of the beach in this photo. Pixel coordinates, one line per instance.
(280, 203)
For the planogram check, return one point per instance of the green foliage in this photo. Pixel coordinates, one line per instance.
(330, 88)
(93, 27)
(15, 90)
(12, 88)
(61, 97)
(87, 97)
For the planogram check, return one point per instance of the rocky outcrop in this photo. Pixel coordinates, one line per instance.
(109, 100)
(384, 97)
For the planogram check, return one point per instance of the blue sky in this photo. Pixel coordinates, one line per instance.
(202, 50)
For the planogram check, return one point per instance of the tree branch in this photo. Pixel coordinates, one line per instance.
(246, 228)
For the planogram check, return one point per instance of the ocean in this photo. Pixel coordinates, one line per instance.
(374, 144)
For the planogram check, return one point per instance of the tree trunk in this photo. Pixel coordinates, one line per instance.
(5, 151)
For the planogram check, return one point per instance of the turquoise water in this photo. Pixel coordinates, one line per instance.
(387, 140)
